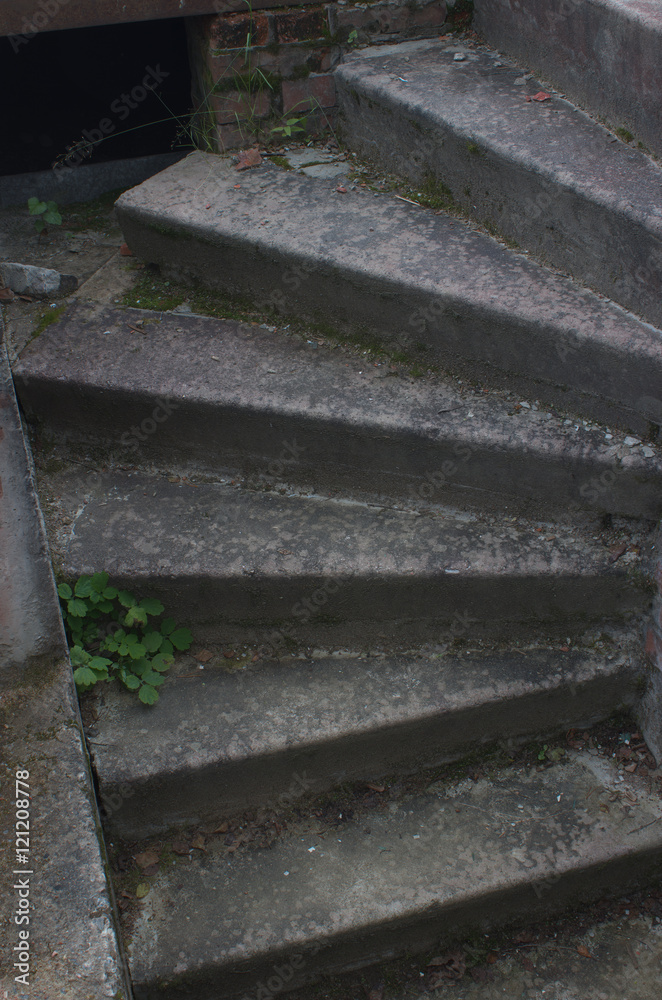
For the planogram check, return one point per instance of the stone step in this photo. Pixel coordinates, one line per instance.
(191, 392)
(401, 274)
(542, 174)
(242, 566)
(407, 874)
(605, 55)
(224, 741)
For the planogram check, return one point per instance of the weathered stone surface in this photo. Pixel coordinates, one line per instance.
(59, 882)
(604, 53)
(244, 566)
(541, 173)
(222, 742)
(40, 282)
(293, 244)
(194, 392)
(450, 861)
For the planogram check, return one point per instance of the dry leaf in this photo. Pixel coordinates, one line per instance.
(204, 656)
(6, 295)
(179, 847)
(223, 828)
(341, 190)
(142, 890)
(375, 788)
(146, 859)
(124, 250)
(248, 158)
(448, 967)
(583, 951)
(199, 843)
(540, 96)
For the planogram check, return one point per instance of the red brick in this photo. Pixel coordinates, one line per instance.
(380, 19)
(232, 137)
(314, 91)
(237, 105)
(299, 25)
(229, 31)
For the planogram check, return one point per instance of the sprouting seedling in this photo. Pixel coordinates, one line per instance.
(46, 213)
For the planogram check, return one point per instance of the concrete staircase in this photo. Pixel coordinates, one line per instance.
(412, 569)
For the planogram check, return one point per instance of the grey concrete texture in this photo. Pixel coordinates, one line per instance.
(450, 861)
(82, 183)
(182, 390)
(53, 866)
(236, 565)
(543, 174)
(40, 282)
(296, 245)
(604, 53)
(221, 742)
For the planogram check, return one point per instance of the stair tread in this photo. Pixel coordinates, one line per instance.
(376, 263)
(322, 890)
(223, 740)
(480, 100)
(326, 415)
(542, 173)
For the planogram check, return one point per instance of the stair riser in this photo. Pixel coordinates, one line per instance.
(270, 448)
(599, 246)
(533, 358)
(279, 612)
(146, 807)
(438, 927)
(604, 56)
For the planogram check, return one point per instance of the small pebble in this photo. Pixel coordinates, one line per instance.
(459, 57)
(631, 442)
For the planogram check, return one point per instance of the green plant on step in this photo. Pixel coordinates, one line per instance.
(289, 127)
(46, 213)
(100, 619)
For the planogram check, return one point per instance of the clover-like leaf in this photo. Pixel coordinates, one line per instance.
(152, 606)
(162, 662)
(152, 641)
(135, 614)
(85, 678)
(65, 591)
(181, 638)
(77, 608)
(132, 682)
(126, 599)
(83, 586)
(148, 694)
(168, 625)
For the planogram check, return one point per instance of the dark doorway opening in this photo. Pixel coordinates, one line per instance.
(128, 85)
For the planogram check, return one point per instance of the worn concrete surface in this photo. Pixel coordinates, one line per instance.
(296, 245)
(190, 392)
(604, 53)
(436, 865)
(236, 565)
(543, 174)
(222, 742)
(73, 950)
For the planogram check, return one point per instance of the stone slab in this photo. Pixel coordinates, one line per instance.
(604, 53)
(40, 282)
(210, 395)
(59, 883)
(454, 860)
(543, 174)
(398, 272)
(221, 742)
(236, 565)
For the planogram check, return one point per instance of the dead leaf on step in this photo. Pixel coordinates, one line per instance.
(447, 967)
(199, 843)
(179, 847)
(124, 250)
(6, 295)
(616, 551)
(583, 951)
(142, 890)
(223, 828)
(375, 788)
(540, 96)
(248, 158)
(341, 190)
(204, 656)
(146, 859)
(229, 654)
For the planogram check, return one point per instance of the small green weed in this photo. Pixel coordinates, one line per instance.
(46, 212)
(139, 652)
(289, 127)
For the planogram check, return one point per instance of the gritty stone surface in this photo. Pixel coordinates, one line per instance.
(541, 173)
(179, 389)
(604, 53)
(41, 282)
(293, 244)
(243, 566)
(73, 950)
(221, 742)
(452, 859)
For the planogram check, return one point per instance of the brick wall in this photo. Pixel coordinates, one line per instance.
(253, 71)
